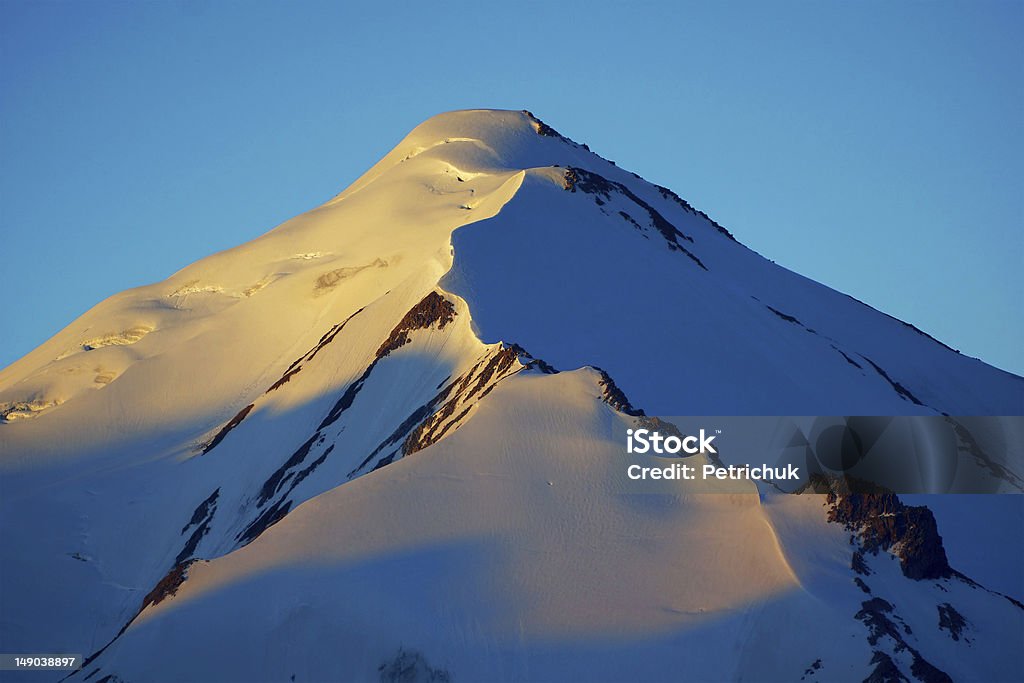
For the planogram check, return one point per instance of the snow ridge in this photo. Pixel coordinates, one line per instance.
(339, 424)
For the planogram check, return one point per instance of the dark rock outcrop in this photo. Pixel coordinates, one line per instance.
(614, 396)
(602, 189)
(446, 410)
(883, 522)
(292, 370)
(167, 586)
(433, 308)
(904, 393)
(880, 618)
(952, 621)
(226, 429)
(201, 519)
(885, 670)
(411, 667)
(686, 206)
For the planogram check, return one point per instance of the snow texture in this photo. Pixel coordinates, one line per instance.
(344, 450)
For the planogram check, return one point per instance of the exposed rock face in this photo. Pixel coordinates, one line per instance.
(875, 614)
(450, 406)
(167, 586)
(883, 522)
(879, 521)
(614, 396)
(545, 130)
(201, 519)
(324, 341)
(430, 422)
(858, 564)
(602, 189)
(981, 458)
(433, 308)
(226, 429)
(689, 208)
(293, 369)
(814, 668)
(882, 622)
(412, 667)
(274, 499)
(476, 383)
(904, 393)
(885, 670)
(952, 621)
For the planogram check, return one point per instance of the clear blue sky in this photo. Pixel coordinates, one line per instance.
(877, 147)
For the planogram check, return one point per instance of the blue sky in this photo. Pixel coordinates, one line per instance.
(876, 147)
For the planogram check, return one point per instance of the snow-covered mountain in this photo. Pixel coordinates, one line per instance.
(384, 441)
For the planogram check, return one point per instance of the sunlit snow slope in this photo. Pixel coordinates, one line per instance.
(344, 449)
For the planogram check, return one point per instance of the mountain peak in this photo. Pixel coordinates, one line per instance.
(489, 140)
(274, 440)
(483, 124)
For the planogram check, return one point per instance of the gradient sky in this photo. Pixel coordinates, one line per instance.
(876, 147)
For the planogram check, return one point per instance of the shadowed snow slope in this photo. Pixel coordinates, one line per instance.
(348, 437)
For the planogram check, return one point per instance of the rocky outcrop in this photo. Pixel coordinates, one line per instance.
(952, 621)
(883, 522)
(968, 444)
(226, 429)
(425, 426)
(883, 623)
(167, 586)
(446, 411)
(602, 189)
(292, 370)
(545, 130)
(409, 666)
(614, 396)
(686, 206)
(885, 670)
(904, 393)
(202, 517)
(432, 309)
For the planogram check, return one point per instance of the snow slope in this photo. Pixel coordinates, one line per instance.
(517, 551)
(347, 437)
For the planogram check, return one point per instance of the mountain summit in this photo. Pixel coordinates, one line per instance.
(549, 245)
(385, 436)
